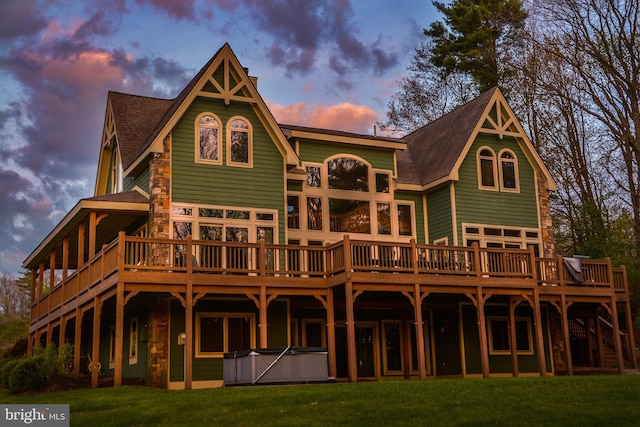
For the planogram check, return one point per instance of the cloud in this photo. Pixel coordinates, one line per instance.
(20, 18)
(346, 117)
(176, 9)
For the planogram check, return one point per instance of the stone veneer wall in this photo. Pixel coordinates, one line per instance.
(546, 225)
(158, 342)
(159, 227)
(558, 349)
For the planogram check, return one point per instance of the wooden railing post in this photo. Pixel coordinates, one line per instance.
(262, 258)
(610, 280)
(476, 259)
(188, 255)
(534, 267)
(414, 257)
(560, 269)
(121, 250)
(346, 242)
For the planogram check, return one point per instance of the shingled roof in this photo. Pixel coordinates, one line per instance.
(132, 196)
(432, 150)
(135, 118)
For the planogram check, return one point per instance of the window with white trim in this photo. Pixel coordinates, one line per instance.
(498, 236)
(508, 171)
(133, 341)
(487, 173)
(346, 195)
(219, 333)
(239, 142)
(208, 139)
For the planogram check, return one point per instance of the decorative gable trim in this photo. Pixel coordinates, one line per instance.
(235, 85)
(109, 138)
(499, 119)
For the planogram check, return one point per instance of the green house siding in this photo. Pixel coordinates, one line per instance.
(317, 153)
(141, 181)
(262, 186)
(416, 198)
(495, 207)
(501, 363)
(129, 370)
(439, 215)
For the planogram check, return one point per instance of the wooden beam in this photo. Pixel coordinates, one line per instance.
(65, 258)
(81, 238)
(417, 310)
(513, 339)
(616, 334)
(119, 329)
(599, 338)
(331, 335)
(352, 367)
(95, 348)
(564, 313)
(188, 351)
(630, 344)
(482, 334)
(92, 234)
(77, 344)
(263, 317)
(537, 320)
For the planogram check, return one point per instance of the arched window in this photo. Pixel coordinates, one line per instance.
(346, 173)
(487, 175)
(208, 139)
(508, 171)
(239, 149)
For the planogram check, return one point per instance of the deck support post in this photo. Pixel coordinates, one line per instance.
(599, 338)
(63, 332)
(482, 334)
(188, 319)
(117, 374)
(352, 366)
(331, 335)
(630, 343)
(513, 341)
(537, 318)
(95, 349)
(77, 344)
(263, 317)
(616, 334)
(564, 308)
(417, 307)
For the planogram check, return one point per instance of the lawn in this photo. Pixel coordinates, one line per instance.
(559, 401)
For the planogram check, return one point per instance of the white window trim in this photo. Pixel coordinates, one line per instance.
(225, 317)
(443, 241)
(484, 239)
(134, 339)
(196, 134)
(515, 169)
(249, 131)
(479, 159)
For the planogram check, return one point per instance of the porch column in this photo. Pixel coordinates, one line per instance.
(564, 312)
(599, 339)
(92, 234)
(263, 316)
(65, 258)
(537, 318)
(616, 334)
(331, 335)
(77, 344)
(117, 374)
(630, 343)
(81, 237)
(513, 341)
(95, 350)
(63, 332)
(482, 333)
(52, 271)
(417, 308)
(352, 364)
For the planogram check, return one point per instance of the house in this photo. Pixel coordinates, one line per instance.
(213, 228)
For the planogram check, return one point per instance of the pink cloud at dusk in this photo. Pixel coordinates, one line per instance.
(344, 116)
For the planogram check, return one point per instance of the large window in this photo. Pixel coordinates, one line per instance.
(208, 139)
(239, 145)
(217, 334)
(346, 195)
(499, 172)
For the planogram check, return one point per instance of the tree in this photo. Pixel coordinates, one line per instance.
(476, 37)
(427, 94)
(15, 299)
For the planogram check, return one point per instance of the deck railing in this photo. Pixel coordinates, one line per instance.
(141, 254)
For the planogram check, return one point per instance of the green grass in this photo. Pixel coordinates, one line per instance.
(558, 401)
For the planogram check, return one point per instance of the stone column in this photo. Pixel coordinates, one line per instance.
(546, 226)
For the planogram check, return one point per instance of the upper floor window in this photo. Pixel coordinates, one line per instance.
(239, 147)
(487, 174)
(208, 142)
(346, 173)
(508, 171)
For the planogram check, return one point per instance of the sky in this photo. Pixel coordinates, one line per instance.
(321, 63)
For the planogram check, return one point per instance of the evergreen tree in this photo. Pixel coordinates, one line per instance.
(475, 38)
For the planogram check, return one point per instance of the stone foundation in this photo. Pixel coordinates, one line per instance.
(158, 342)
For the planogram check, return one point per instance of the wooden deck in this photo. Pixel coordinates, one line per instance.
(162, 265)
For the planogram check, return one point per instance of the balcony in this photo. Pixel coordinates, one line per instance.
(164, 265)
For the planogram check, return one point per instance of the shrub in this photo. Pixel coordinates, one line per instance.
(5, 371)
(42, 370)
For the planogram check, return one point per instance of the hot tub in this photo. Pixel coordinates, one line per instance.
(275, 365)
